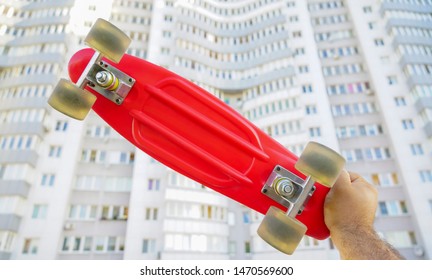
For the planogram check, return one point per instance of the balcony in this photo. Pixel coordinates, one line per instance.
(28, 128)
(14, 188)
(233, 84)
(9, 222)
(413, 40)
(36, 79)
(405, 7)
(10, 61)
(19, 156)
(419, 80)
(256, 27)
(24, 102)
(415, 59)
(46, 4)
(395, 22)
(423, 103)
(38, 39)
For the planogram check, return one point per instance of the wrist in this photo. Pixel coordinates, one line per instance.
(362, 242)
(350, 234)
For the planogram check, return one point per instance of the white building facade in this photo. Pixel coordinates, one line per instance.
(353, 75)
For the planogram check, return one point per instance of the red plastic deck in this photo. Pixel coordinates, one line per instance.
(191, 131)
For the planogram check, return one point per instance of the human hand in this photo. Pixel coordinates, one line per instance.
(350, 205)
(349, 213)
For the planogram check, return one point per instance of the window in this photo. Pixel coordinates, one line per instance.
(426, 176)
(368, 154)
(299, 51)
(77, 244)
(153, 185)
(416, 149)
(109, 184)
(84, 244)
(400, 101)
(293, 19)
(391, 80)
(314, 132)
(247, 247)
(379, 42)
(61, 126)
(111, 212)
(401, 239)
(55, 151)
(408, 124)
(48, 180)
(30, 246)
(309, 242)
(100, 244)
(165, 51)
(93, 156)
(127, 157)
(232, 248)
(392, 208)
(367, 9)
(82, 212)
(311, 110)
(151, 214)
(149, 246)
(39, 211)
(303, 69)
(297, 34)
(7, 239)
(307, 89)
(246, 217)
(111, 244)
(385, 179)
(65, 246)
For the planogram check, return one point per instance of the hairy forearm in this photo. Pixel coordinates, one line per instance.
(361, 244)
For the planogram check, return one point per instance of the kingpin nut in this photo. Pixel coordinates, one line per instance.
(284, 187)
(107, 80)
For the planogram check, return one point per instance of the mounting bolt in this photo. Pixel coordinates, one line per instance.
(284, 187)
(107, 80)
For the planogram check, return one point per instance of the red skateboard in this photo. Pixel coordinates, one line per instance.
(191, 131)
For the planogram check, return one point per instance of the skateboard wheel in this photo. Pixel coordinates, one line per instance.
(321, 163)
(281, 231)
(108, 40)
(71, 100)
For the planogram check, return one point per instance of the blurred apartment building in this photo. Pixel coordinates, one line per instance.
(354, 75)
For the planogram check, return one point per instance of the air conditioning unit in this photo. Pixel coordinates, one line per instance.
(369, 92)
(336, 56)
(68, 226)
